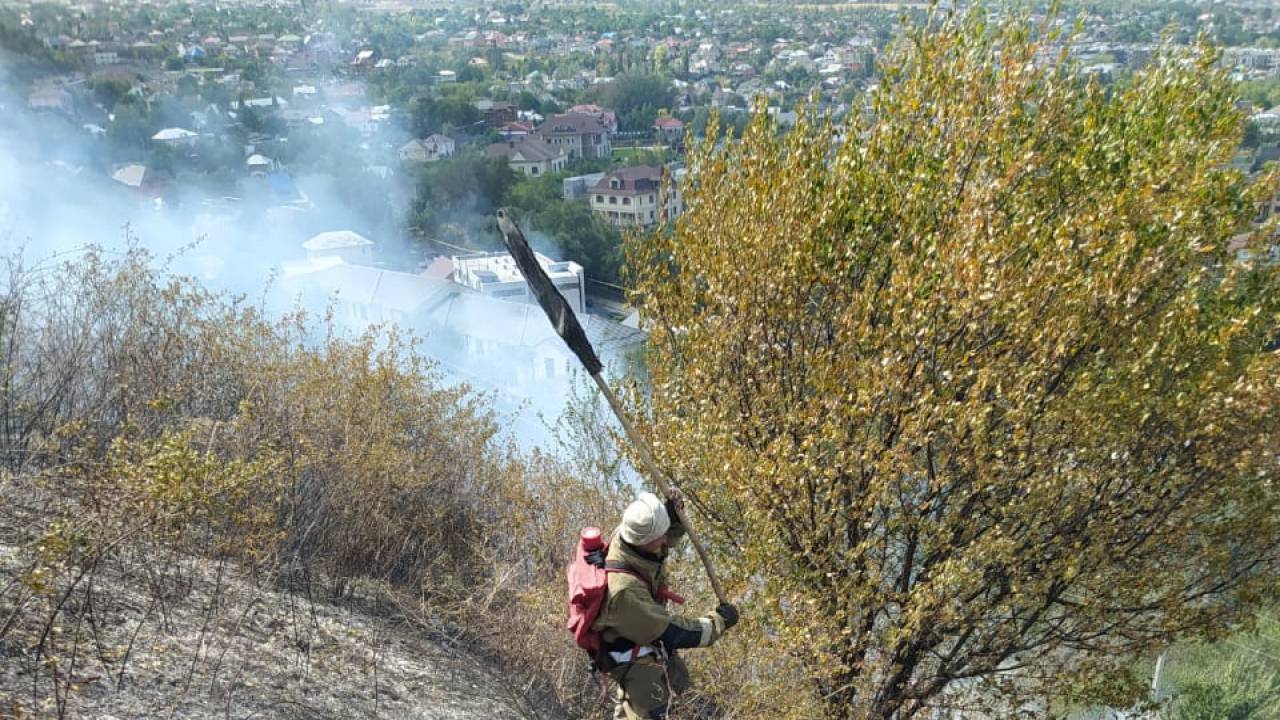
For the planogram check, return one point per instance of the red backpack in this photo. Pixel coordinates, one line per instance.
(588, 590)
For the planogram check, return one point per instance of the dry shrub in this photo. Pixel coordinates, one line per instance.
(148, 424)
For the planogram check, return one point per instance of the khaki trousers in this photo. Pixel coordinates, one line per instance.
(647, 686)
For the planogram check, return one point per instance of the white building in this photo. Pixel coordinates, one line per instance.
(175, 136)
(260, 164)
(496, 275)
(427, 149)
(350, 246)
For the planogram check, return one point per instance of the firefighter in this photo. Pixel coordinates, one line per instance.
(640, 635)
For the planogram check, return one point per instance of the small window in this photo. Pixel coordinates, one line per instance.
(626, 201)
(613, 199)
(651, 198)
(600, 199)
(533, 170)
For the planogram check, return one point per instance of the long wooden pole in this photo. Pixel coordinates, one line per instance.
(570, 330)
(664, 484)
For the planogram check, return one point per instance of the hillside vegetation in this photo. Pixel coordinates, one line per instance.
(975, 395)
(163, 447)
(978, 389)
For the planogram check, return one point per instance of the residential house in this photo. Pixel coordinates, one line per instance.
(139, 179)
(581, 136)
(496, 275)
(530, 155)
(175, 137)
(497, 114)
(492, 343)
(365, 120)
(351, 247)
(260, 165)
(51, 98)
(636, 196)
(516, 129)
(669, 130)
(363, 61)
(607, 117)
(428, 149)
(579, 186)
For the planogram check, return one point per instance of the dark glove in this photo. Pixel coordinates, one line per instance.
(676, 530)
(596, 557)
(729, 613)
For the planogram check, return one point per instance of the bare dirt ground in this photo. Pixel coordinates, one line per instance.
(203, 640)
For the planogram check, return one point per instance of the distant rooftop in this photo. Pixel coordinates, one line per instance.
(500, 268)
(336, 239)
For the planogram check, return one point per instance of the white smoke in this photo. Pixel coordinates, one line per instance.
(57, 198)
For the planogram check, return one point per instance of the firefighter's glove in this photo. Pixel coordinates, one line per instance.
(729, 613)
(596, 557)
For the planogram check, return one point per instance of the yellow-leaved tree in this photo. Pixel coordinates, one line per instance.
(972, 390)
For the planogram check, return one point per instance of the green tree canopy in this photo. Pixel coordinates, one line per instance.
(582, 235)
(973, 392)
(636, 98)
(432, 114)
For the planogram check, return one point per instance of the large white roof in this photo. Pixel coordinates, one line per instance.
(131, 175)
(336, 239)
(173, 134)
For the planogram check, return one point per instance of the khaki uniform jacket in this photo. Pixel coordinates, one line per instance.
(631, 613)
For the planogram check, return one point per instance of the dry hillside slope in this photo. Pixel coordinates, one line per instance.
(220, 645)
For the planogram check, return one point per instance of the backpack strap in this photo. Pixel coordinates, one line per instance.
(616, 566)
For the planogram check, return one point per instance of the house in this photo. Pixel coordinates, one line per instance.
(607, 117)
(496, 275)
(498, 114)
(581, 136)
(140, 180)
(636, 196)
(446, 76)
(175, 137)
(365, 120)
(362, 295)
(428, 149)
(669, 130)
(530, 155)
(515, 129)
(440, 268)
(260, 165)
(493, 343)
(351, 247)
(51, 98)
(579, 186)
(134, 176)
(363, 60)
